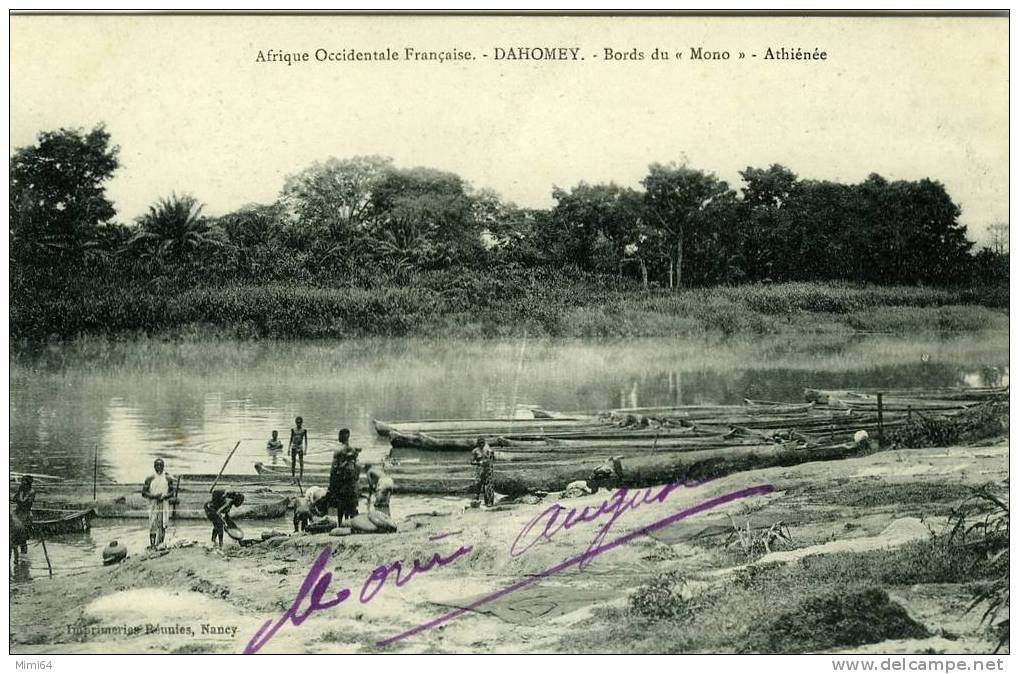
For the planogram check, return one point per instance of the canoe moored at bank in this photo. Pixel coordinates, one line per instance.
(263, 499)
(49, 521)
(490, 426)
(655, 469)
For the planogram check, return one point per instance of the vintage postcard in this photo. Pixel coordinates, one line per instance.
(473, 334)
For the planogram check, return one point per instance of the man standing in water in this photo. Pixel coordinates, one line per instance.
(274, 447)
(298, 446)
(158, 489)
(484, 459)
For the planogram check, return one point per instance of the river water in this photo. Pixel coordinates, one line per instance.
(189, 403)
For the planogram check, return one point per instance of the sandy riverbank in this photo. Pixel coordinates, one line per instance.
(204, 601)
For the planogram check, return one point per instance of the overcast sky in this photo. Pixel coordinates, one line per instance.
(194, 112)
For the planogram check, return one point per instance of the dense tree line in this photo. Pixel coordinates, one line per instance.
(347, 218)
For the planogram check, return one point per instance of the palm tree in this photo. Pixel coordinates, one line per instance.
(175, 229)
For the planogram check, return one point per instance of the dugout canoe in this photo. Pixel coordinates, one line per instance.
(547, 474)
(432, 443)
(705, 433)
(263, 498)
(51, 522)
(938, 394)
(750, 407)
(655, 469)
(432, 479)
(477, 426)
(664, 432)
(894, 399)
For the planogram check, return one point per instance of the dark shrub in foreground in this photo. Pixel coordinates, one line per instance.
(660, 599)
(833, 619)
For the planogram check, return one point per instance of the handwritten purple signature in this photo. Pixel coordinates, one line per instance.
(621, 501)
(544, 526)
(316, 586)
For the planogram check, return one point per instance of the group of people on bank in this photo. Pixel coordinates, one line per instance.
(345, 472)
(342, 494)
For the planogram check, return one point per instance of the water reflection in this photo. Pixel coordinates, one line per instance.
(191, 402)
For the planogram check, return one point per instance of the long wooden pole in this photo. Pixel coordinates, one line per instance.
(230, 456)
(880, 421)
(95, 474)
(38, 476)
(176, 499)
(46, 553)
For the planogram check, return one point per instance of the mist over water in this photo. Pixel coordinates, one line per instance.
(190, 402)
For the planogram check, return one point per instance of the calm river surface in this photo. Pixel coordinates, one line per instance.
(190, 402)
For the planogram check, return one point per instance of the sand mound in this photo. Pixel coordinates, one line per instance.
(150, 604)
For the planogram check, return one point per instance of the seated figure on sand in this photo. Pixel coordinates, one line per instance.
(380, 489)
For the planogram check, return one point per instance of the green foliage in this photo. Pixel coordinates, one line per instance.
(593, 225)
(691, 211)
(660, 598)
(875, 231)
(365, 210)
(423, 216)
(921, 494)
(929, 429)
(990, 267)
(928, 561)
(895, 319)
(752, 543)
(981, 524)
(835, 618)
(594, 265)
(837, 602)
(174, 230)
(57, 196)
(390, 300)
(333, 200)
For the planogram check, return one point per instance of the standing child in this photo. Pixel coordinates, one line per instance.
(298, 446)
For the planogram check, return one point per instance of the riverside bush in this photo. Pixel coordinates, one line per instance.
(498, 301)
(660, 598)
(832, 619)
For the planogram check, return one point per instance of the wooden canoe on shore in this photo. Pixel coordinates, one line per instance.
(904, 400)
(653, 469)
(477, 426)
(705, 434)
(51, 522)
(546, 422)
(431, 479)
(553, 473)
(264, 499)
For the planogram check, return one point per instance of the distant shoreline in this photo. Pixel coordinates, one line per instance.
(493, 304)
